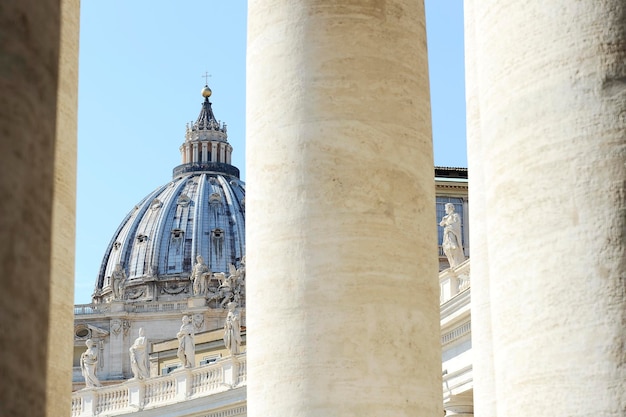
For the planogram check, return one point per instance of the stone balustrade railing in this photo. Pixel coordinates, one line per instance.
(81, 309)
(130, 307)
(183, 384)
(453, 281)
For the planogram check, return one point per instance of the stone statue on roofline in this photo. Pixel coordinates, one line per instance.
(452, 241)
(138, 356)
(118, 281)
(232, 330)
(88, 365)
(199, 276)
(186, 345)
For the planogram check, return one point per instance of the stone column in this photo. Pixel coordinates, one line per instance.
(343, 311)
(37, 199)
(482, 342)
(222, 153)
(61, 321)
(213, 151)
(553, 117)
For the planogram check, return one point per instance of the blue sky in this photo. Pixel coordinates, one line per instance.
(140, 75)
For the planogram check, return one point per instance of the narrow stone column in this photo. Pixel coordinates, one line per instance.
(553, 117)
(37, 191)
(61, 319)
(482, 340)
(343, 312)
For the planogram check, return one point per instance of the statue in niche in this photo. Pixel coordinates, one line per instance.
(199, 276)
(232, 330)
(118, 278)
(138, 356)
(186, 346)
(451, 242)
(88, 365)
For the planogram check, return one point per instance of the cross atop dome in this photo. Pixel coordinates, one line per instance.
(206, 77)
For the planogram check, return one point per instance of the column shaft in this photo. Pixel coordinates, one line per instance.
(37, 200)
(61, 319)
(552, 106)
(343, 313)
(482, 339)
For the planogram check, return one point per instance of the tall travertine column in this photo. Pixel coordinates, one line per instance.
(553, 122)
(38, 78)
(61, 318)
(343, 313)
(482, 341)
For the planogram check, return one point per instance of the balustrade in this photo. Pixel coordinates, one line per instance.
(208, 380)
(77, 405)
(160, 390)
(84, 309)
(81, 309)
(113, 398)
(133, 395)
(242, 371)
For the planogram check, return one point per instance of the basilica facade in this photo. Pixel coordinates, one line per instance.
(180, 253)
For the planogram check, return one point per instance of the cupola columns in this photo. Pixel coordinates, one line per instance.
(206, 139)
(343, 313)
(549, 154)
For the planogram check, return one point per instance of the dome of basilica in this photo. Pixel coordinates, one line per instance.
(200, 212)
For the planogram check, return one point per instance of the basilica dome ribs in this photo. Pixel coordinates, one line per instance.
(200, 212)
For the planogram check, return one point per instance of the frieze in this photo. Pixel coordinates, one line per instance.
(174, 288)
(135, 293)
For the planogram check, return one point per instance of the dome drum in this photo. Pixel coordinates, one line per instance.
(207, 167)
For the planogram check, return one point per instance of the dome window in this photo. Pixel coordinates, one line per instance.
(217, 242)
(116, 245)
(184, 200)
(215, 198)
(156, 204)
(141, 238)
(212, 180)
(177, 233)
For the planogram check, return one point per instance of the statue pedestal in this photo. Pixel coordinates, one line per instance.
(196, 301)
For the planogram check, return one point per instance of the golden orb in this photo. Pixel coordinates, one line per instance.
(206, 91)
